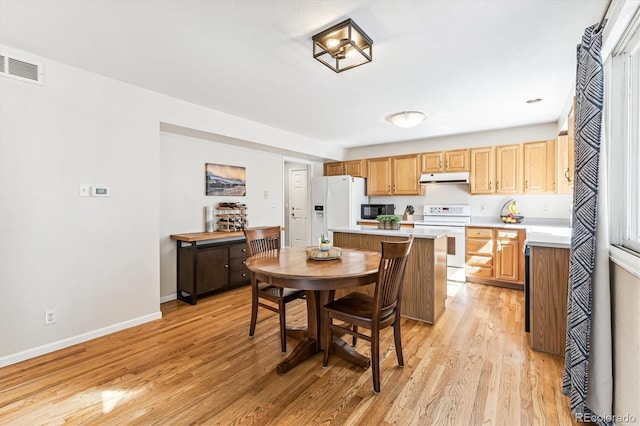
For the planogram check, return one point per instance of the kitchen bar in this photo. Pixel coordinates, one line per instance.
(425, 284)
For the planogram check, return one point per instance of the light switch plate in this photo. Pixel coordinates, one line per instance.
(100, 191)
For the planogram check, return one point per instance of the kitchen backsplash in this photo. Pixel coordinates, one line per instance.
(534, 206)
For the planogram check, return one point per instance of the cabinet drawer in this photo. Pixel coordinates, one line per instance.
(482, 261)
(480, 246)
(237, 264)
(239, 277)
(479, 233)
(238, 251)
(511, 234)
(479, 272)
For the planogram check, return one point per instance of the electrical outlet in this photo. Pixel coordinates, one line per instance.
(482, 207)
(545, 207)
(266, 195)
(50, 316)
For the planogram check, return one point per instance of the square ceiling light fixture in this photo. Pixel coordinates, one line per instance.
(343, 46)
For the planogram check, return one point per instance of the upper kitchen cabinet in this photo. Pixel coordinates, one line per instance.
(394, 175)
(456, 161)
(431, 162)
(509, 169)
(445, 161)
(355, 168)
(483, 170)
(540, 167)
(496, 170)
(566, 157)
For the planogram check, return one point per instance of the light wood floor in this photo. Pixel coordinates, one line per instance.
(197, 365)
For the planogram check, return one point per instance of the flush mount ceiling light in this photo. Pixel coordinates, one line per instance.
(343, 46)
(407, 119)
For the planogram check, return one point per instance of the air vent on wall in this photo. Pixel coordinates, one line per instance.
(21, 70)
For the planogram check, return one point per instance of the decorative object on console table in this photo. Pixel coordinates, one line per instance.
(209, 219)
(232, 217)
(388, 221)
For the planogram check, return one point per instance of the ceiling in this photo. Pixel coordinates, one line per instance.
(469, 65)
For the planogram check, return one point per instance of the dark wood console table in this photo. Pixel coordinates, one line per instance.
(209, 262)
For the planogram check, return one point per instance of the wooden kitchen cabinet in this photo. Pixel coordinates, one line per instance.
(548, 287)
(379, 180)
(540, 167)
(355, 168)
(394, 175)
(431, 162)
(496, 170)
(495, 256)
(215, 265)
(508, 169)
(565, 152)
(483, 170)
(445, 161)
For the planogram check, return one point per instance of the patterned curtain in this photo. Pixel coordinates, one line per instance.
(587, 375)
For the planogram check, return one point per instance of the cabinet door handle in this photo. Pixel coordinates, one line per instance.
(244, 250)
(244, 275)
(497, 185)
(226, 266)
(566, 175)
(526, 184)
(244, 262)
(440, 164)
(489, 185)
(446, 164)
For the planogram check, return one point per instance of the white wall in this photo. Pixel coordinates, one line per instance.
(182, 192)
(94, 259)
(469, 140)
(531, 206)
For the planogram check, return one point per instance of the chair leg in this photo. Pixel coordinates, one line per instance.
(254, 308)
(328, 335)
(398, 341)
(354, 339)
(375, 358)
(283, 326)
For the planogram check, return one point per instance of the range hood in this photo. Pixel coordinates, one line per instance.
(461, 177)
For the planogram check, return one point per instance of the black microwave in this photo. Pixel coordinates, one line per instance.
(371, 211)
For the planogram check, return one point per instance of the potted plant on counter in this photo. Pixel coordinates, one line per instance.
(388, 221)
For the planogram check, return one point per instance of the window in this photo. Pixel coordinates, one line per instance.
(622, 126)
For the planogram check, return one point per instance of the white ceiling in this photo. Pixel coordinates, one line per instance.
(469, 65)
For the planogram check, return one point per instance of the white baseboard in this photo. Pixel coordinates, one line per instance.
(168, 298)
(65, 343)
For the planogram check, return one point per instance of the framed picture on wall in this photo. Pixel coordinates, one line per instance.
(225, 180)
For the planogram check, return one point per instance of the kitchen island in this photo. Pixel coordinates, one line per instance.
(425, 283)
(547, 287)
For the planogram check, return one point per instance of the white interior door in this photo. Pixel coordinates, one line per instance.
(298, 208)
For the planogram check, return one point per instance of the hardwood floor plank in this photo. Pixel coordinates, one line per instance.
(197, 365)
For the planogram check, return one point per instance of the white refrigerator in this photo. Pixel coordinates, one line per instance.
(335, 201)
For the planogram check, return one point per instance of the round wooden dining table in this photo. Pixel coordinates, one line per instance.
(290, 267)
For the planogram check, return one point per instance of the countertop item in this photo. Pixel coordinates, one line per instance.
(409, 222)
(430, 233)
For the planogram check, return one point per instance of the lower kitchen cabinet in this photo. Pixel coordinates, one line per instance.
(495, 256)
(548, 287)
(209, 267)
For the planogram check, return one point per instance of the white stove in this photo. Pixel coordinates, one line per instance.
(454, 217)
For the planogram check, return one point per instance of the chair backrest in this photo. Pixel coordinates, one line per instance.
(262, 239)
(393, 263)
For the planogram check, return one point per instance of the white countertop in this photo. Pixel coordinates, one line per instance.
(422, 232)
(549, 237)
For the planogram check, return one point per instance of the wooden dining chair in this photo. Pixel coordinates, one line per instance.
(260, 240)
(374, 313)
